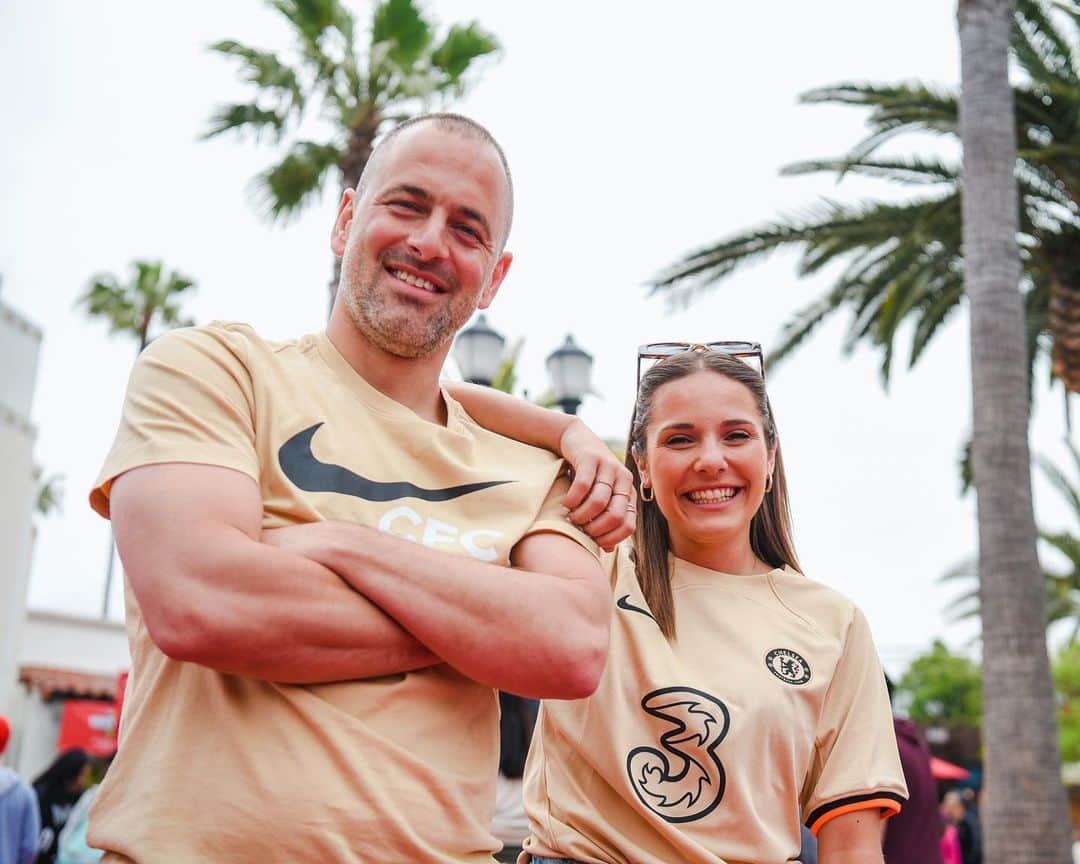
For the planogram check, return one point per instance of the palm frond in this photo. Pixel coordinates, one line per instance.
(966, 604)
(400, 25)
(1057, 478)
(947, 299)
(913, 171)
(313, 18)
(1039, 47)
(895, 109)
(264, 70)
(1065, 543)
(285, 188)
(245, 118)
(462, 46)
(798, 328)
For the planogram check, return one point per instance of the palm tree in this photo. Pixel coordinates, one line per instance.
(1062, 586)
(49, 497)
(144, 305)
(358, 84)
(902, 261)
(1026, 813)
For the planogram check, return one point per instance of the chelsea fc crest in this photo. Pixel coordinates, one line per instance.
(788, 666)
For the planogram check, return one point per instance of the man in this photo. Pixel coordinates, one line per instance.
(19, 820)
(249, 734)
(913, 835)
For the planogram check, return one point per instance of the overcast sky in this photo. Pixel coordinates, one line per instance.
(633, 137)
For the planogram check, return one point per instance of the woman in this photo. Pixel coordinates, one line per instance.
(739, 697)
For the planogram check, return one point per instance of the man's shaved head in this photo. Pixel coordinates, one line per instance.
(448, 122)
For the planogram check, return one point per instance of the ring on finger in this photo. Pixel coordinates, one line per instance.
(624, 494)
(630, 508)
(607, 483)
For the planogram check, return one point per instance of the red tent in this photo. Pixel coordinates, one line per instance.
(943, 770)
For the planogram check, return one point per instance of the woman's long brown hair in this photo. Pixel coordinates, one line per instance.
(770, 527)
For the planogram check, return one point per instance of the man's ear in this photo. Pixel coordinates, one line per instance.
(497, 276)
(339, 235)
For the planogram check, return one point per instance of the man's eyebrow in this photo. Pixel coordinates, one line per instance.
(407, 189)
(424, 195)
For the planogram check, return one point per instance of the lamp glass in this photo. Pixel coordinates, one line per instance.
(478, 351)
(570, 369)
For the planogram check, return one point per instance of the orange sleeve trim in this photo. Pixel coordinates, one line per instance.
(888, 802)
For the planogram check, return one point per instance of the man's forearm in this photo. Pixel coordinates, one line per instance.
(251, 609)
(533, 633)
(328, 633)
(211, 592)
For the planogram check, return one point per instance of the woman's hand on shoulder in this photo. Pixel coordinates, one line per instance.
(601, 499)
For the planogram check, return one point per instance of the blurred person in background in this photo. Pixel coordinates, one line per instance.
(517, 719)
(950, 844)
(913, 836)
(960, 814)
(58, 787)
(20, 823)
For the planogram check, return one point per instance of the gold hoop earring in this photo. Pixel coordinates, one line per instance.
(768, 483)
(643, 497)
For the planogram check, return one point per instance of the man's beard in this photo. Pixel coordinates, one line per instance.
(389, 323)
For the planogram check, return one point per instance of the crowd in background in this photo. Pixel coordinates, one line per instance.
(44, 821)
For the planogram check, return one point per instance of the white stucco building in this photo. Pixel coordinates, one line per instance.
(61, 657)
(20, 342)
(45, 658)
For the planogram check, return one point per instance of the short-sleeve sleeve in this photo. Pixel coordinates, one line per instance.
(856, 765)
(552, 518)
(189, 399)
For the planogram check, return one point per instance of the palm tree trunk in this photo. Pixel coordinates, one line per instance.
(1025, 812)
(360, 147)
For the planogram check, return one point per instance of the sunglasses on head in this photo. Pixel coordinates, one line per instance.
(748, 352)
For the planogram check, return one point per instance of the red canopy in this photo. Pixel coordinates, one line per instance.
(943, 770)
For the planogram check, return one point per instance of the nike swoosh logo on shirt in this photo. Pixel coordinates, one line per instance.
(624, 603)
(308, 473)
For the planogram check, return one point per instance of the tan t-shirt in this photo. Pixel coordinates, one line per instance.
(769, 708)
(221, 768)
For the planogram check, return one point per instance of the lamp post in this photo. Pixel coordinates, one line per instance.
(478, 352)
(569, 367)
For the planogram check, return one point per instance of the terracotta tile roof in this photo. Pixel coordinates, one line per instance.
(51, 682)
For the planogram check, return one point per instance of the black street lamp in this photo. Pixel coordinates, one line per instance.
(570, 369)
(478, 352)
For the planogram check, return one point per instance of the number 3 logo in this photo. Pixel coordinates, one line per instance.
(685, 780)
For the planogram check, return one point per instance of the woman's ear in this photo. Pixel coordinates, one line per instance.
(642, 466)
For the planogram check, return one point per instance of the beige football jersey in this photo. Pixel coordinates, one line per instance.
(215, 767)
(769, 708)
